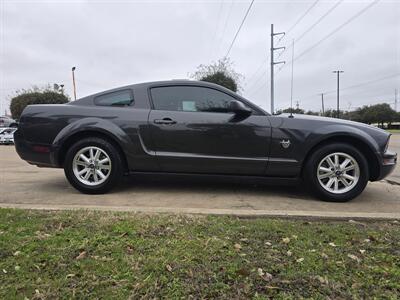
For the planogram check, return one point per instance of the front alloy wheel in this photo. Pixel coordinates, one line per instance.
(338, 173)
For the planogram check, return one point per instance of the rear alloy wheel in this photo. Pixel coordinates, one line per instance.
(93, 166)
(336, 172)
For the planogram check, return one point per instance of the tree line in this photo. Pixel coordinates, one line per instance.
(380, 114)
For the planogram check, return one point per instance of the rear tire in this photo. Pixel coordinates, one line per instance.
(93, 166)
(336, 172)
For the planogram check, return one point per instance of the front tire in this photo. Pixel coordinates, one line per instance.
(336, 172)
(93, 166)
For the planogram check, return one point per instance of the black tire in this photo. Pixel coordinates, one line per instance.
(310, 173)
(115, 172)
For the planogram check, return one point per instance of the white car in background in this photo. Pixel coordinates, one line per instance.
(6, 121)
(7, 135)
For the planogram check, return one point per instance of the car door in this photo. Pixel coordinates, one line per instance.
(193, 131)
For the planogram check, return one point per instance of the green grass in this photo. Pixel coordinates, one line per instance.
(127, 255)
(393, 130)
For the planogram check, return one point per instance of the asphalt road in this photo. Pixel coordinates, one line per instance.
(26, 186)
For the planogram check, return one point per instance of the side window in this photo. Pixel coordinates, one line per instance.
(190, 98)
(118, 98)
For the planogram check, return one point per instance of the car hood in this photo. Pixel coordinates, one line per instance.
(337, 121)
(379, 135)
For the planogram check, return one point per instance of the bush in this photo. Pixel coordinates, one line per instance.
(25, 98)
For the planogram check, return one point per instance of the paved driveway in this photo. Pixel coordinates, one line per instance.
(26, 186)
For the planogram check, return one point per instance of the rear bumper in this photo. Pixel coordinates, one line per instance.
(388, 163)
(40, 155)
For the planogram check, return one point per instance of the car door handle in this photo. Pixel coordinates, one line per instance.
(165, 121)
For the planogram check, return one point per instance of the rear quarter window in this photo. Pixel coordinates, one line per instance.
(118, 98)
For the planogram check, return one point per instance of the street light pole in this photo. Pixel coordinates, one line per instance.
(323, 108)
(337, 109)
(73, 81)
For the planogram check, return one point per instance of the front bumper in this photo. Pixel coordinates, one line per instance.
(387, 164)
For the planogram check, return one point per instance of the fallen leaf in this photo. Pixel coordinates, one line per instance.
(286, 240)
(313, 250)
(129, 249)
(70, 275)
(367, 240)
(362, 251)
(243, 272)
(267, 277)
(16, 253)
(260, 272)
(322, 280)
(169, 268)
(332, 244)
(17, 268)
(243, 240)
(294, 236)
(237, 247)
(353, 257)
(289, 253)
(268, 244)
(190, 273)
(81, 255)
(356, 222)
(300, 260)
(4, 271)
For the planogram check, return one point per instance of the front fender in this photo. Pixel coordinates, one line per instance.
(338, 130)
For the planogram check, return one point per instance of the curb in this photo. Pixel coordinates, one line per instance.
(230, 212)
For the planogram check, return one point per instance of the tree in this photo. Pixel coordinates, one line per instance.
(290, 110)
(35, 95)
(220, 72)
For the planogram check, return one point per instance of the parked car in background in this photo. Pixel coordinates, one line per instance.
(191, 128)
(7, 122)
(7, 135)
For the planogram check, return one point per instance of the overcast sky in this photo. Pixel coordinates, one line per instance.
(114, 43)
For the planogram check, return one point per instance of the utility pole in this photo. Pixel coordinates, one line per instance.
(273, 63)
(73, 81)
(337, 109)
(323, 108)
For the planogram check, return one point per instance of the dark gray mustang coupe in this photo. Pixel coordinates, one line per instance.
(190, 127)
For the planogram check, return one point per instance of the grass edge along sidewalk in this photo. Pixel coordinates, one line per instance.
(92, 254)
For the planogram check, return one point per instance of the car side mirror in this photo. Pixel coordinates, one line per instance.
(238, 108)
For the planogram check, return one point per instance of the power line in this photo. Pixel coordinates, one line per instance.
(365, 83)
(240, 27)
(335, 31)
(309, 97)
(217, 26)
(225, 25)
(299, 19)
(313, 25)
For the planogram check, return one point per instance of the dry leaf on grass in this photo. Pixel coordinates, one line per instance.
(353, 257)
(81, 255)
(237, 247)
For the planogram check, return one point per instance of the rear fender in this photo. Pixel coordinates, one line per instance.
(99, 125)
